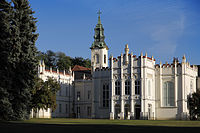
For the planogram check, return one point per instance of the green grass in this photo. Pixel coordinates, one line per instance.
(171, 123)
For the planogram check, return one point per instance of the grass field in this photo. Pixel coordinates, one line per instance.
(171, 123)
(98, 126)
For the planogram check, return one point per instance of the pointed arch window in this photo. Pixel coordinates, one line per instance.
(168, 94)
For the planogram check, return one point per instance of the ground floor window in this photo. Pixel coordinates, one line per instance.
(89, 111)
(105, 95)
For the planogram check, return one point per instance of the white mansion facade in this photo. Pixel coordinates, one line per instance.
(126, 87)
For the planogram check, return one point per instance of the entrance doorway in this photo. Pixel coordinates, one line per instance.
(117, 111)
(137, 111)
(127, 111)
(149, 111)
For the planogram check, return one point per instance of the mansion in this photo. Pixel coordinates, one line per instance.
(125, 87)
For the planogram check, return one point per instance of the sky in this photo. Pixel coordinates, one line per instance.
(161, 28)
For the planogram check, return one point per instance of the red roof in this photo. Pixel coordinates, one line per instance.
(80, 68)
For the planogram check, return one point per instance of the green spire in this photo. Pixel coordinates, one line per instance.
(99, 20)
(99, 35)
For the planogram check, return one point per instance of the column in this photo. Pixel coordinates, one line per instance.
(112, 105)
(122, 88)
(175, 83)
(122, 100)
(183, 99)
(132, 88)
(142, 98)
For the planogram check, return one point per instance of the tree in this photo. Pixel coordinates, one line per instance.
(81, 62)
(19, 56)
(63, 61)
(194, 105)
(5, 69)
(44, 94)
(50, 58)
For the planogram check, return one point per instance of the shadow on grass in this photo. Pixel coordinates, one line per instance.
(9, 127)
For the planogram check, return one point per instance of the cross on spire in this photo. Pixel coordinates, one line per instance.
(99, 12)
(99, 20)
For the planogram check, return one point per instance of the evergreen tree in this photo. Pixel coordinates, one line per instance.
(5, 69)
(18, 58)
(194, 105)
(24, 58)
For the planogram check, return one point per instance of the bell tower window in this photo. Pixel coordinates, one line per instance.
(97, 58)
(104, 58)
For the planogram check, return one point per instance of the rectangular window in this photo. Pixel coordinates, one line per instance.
(191, 86)
(127, 87)
(149, 87)
(60, 91)
(137, 87)
(66, 90)
(117, 88)
(89, 94)
(105, 95)
(60, 108)
(78, 95)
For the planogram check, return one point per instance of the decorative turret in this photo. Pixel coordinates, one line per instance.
(126, 54)
(184, 59)
(99, 49)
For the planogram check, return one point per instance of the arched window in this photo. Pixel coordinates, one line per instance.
(168, 94)
(104, 59)
(97, 58)
(127, 87)
(117, 88)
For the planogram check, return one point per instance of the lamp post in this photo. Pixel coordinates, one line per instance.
(78, 109)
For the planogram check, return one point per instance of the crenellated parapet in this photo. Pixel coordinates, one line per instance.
(177, 65)
(44, 72)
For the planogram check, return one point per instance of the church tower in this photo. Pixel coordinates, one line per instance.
(99, 49)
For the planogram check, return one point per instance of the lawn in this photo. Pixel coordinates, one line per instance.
(171, 123)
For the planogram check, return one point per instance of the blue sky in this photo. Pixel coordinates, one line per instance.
(162, 28)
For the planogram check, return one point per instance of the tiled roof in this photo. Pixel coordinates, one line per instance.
(80, 68)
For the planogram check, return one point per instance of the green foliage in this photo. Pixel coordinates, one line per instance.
(6, 110)
(18, 58)
(44, 94)
(61, 61)
(81, 62)
(194, 105)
